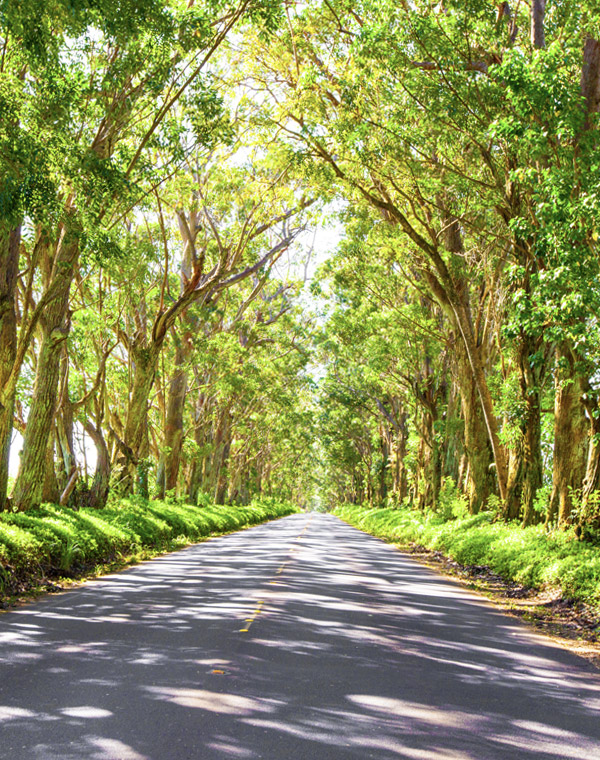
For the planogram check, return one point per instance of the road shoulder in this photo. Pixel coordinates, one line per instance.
(570, 625)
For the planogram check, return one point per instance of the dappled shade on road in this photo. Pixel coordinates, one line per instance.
(302, 638)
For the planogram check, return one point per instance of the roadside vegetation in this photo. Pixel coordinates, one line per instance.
(52, 542)
(530, 556)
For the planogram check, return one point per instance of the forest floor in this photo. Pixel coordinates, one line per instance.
(570, 624)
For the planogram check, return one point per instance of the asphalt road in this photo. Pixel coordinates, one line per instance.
(301, 639)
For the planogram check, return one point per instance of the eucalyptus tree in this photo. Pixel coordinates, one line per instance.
(407, 140)
(388, 354)
(246, 417)
(429, 115)
(233, 226)
(109, 79)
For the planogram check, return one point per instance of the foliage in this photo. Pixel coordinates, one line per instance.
(529, 556)
(160, 164)
(51, 541)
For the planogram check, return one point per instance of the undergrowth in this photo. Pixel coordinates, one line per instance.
(529, 556)
(51, 541)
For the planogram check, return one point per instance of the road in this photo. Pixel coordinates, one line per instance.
(300, 639)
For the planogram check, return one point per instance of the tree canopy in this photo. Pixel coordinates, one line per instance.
(164, 169)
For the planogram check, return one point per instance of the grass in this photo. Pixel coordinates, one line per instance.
(53, 541)
(529, 556)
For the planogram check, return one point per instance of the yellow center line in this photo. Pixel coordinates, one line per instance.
(260, 603)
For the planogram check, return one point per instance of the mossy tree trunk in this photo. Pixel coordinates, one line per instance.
(526, 470)
(479, 477)
(429, 462)
(173, 435)
(589, 510)
(51, 488)
(221, 460)
(399, 471)
(55, 325)
(98, 493)
(65, 424)
(10, 241)
(570, 438)
(134, 446)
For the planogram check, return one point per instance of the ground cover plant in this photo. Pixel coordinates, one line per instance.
(52, 541)
(531, 556)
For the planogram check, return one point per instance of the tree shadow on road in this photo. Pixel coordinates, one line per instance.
(275, 643)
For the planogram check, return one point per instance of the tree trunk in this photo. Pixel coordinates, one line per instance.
(514, 489)
(55, 325)
(532, 460)
(479, 478)
(173, 440)
(99, 492)
(9, 268)
(429, 465)
(525, 462)
(223, 460)
(589, 511)
(385, 437)
(590, 78)
(65, 424)
(487, 405)
(399, 473)
(197, 476)
(570, 439)
(538, 10)
(134, 447)
(453, 441)
(52, 488)
(531, 376)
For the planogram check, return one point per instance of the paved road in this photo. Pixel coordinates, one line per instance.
(302, 639)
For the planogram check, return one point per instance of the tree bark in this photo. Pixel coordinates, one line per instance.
(538, 11)
(512, 504)
(55, 325)
(222, 458)
(198, 476)
(531, 377)
(429, 464)
(173, 440)
(525, 463)
(589, 515)
(51, 488)
(100, 485)
(480, 381)
(479, 478)
(570, 439)
(590, 78)
(399, 473)
(10, 241)
(532, 465)
(65, 423)
(134, 447)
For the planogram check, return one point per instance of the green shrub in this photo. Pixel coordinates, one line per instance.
(51, 539)
(527, 555)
